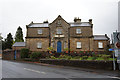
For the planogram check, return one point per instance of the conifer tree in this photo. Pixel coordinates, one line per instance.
(19, 35)
(9, 41)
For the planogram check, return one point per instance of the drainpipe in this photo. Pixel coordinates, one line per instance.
(49, 37)
(69, 40)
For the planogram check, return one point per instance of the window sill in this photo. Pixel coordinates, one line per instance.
(78, 48)
(100, 48)
(39, 48)
(59, 34)
(78, 33)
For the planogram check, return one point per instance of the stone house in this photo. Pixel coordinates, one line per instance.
(76, 36)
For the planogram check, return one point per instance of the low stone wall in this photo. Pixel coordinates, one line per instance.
(104, 65)
(0, 54)
(9, 55)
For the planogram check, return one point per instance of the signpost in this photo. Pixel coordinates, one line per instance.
(117, 46)
(117, 43)
(111, 49)
(114, 67)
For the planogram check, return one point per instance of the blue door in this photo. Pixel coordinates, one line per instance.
(15, 54)
(59, 46)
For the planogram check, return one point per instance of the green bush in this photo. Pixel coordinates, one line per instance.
(64, 57)
(84, 57)
(80, 58)
(35, 55)
(24, 52)
(68, 57)
(106, 57)
(99, 55)
(111, 59)
(91, 58)
(100, 58)
(52, 57)
(76, 57)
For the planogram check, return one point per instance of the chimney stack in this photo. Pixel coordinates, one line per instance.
(77, 20)
(90, 21)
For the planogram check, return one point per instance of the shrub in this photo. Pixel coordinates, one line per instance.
(50, 48)
(111, 59)
(35, 55)
(84, 57)
(64, 57)
(68, 57)
(24, 52)
(105, 56)
(66, 49)
(91, 58)
(77, 57)
(100, 58)
(52, 57)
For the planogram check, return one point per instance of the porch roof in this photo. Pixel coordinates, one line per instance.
(19, 44)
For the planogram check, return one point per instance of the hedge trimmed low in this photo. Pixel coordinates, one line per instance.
(105, 65)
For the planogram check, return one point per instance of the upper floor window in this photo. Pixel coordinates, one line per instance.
(100, 45)
(59, 31)
(79, 45)
(40, 31)
(78, 31)
(39, 45)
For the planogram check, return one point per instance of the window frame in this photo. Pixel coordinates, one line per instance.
(59, 32)
(100, 45)
(39, 45)
(52, 44)
(40, 31)
(79, 45)
(65, 45)
(78, 31)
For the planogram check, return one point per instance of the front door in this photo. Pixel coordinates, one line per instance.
(59, 46)
(15, 55)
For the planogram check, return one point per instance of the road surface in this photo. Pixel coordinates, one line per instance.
(12, 69)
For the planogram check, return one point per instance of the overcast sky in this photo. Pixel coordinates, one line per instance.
(14, 13)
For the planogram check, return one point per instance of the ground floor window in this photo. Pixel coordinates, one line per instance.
(52, 44)
(39, 45)
(65, 45)
(100, 45)
(79, 45)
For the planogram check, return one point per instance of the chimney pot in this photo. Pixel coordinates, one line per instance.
(77, 20)
(90, 21)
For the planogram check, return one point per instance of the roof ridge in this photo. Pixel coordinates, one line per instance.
(98, 35)
(79, 22)
(40, 23)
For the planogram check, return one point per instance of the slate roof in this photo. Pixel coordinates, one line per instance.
(71, 24)
(100, 37)
(39, 25)
(80, 24)
(19, 44)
